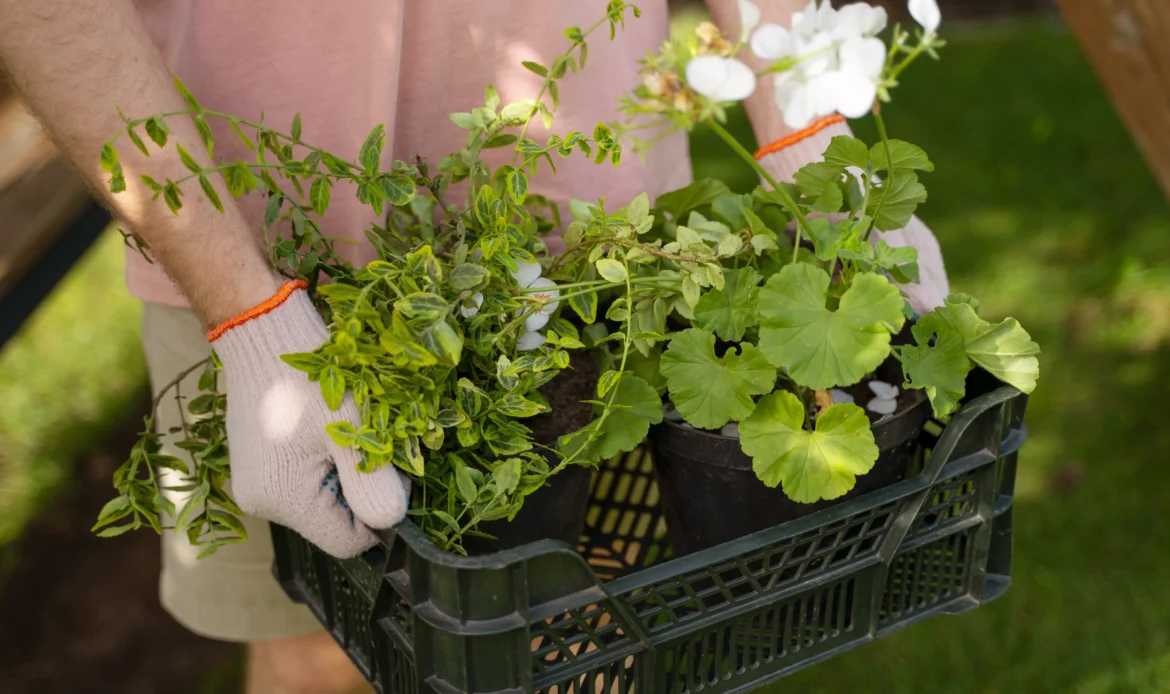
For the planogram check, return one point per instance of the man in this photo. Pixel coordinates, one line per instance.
(346, 66)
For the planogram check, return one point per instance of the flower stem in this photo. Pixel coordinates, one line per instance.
(889, 182)
(789, 203)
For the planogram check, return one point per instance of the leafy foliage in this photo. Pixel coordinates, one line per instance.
(822, 348)
(821, 464)
(709, 391)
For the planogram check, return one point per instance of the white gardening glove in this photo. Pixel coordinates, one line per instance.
(933, 286)
(285, 468)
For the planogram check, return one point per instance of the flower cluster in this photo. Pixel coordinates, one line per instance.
(829, 61)
(527, 275)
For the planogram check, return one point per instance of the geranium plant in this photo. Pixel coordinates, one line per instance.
(740, 323)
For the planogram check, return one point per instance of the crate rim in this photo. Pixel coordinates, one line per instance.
(421, 545)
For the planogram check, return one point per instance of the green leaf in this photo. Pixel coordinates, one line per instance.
(536, 67)
(116, 530)
(680, 202)
(638, 211)
(296, 127)
(608, 380)
(847, 151)
(730, 311)
(822, 464)
(157, 131)
(399, 190)
(900, 262)
(822, 348)
(133, 135)
(1005, 349)
(709, 391)
(209, 191)
(585, 306)
(507, 475)
(814, 178)
(423, 306)
(113, 510)
(371, 152)
(463, 120)
(637, 406)
(343, 434)
(514, 405)
(469, 276)
(187, 95)
(906, 157)
(612, 270)
(465, 484)
(319, 195)
(518, 186)
(491, 98)
(109, 159)
(902, 193)
(239, 179)
(332, 387)
(205, 135)
(825, 237)
(188, 161)
(939, 368)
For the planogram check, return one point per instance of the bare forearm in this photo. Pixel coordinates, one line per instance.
(74, 61)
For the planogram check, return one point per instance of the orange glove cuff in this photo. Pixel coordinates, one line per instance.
(265, 306)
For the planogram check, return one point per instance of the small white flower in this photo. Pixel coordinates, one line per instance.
(885, 400)
(840, 396)
(814, 19)
(539, 319)
(802, 98)
(855, 84)
(859, 19)
(721, 79)
(882, 406)
(749, 17)
(772, 42)
(927, 14)
(884, 390)
(530, 341)
(526, 273)
(470, 311)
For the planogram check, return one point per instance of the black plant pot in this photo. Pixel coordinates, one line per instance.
(711, 495)
(553, 512)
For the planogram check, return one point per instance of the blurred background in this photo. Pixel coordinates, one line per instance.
(1045, 209)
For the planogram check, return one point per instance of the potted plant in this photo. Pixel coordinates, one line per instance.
(760, 340)
(465, 328)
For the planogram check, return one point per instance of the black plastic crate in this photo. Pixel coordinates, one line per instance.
(620, 615)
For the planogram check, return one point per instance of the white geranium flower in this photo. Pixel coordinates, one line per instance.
(802, 98)
(814, 19)
(855, 84)
(526, 273)
(528, 277)
(749, 17)
(721, 79)
(772, 42)
(470, 311)
(885, 400)
(884, 390)
(859, 19)
(927, 14)
(530, 341)
(840, 396)
(548, 300)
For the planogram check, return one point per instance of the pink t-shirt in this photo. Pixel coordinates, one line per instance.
(351, 64)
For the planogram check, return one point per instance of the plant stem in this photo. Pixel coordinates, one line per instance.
(789, 203)
(889, 182)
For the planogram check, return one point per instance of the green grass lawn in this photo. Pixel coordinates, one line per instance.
(1046, 212)
(71, 374)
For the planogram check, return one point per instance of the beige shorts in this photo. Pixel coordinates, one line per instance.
(232, 594)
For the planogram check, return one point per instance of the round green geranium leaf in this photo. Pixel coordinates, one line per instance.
(821, 464)
(823, 348)
(710, 391)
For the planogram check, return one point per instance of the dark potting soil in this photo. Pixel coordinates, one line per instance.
(565, 395)
(80, 613)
